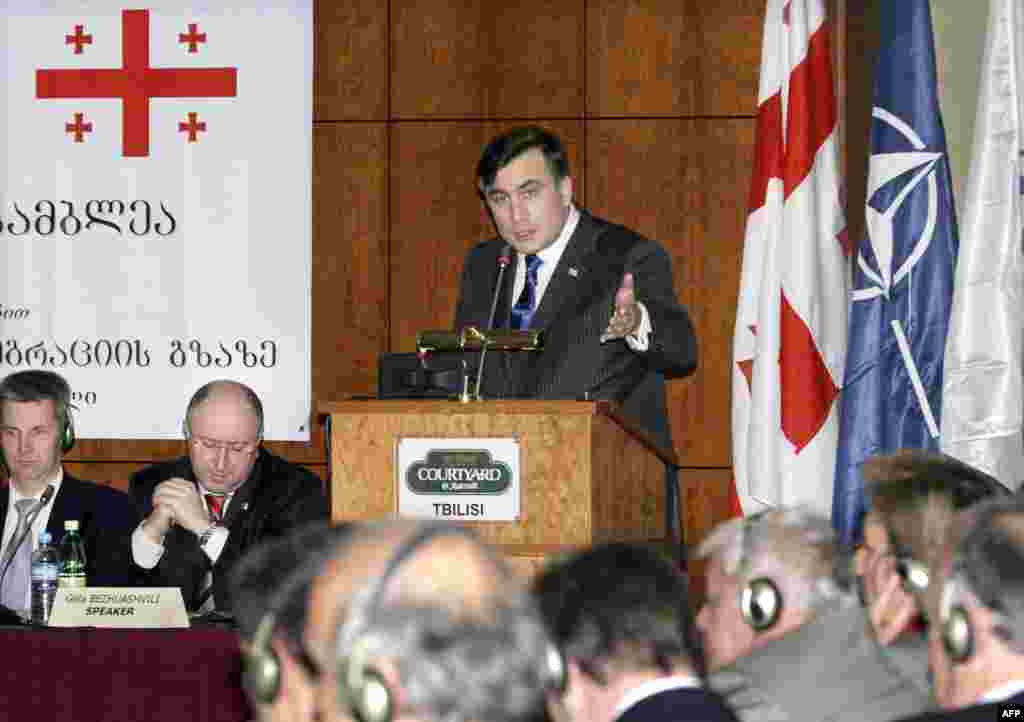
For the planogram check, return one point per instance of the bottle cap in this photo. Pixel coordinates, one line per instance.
(71, 525)
(45, 537)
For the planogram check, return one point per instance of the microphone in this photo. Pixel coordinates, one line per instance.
(7, 615)
(503, 260)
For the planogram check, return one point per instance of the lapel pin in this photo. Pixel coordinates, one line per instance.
(245, 506)
(574, 272)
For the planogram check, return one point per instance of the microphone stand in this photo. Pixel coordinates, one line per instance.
(8, 615)
(503, 260)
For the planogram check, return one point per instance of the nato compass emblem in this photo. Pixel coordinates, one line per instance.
(896, 255)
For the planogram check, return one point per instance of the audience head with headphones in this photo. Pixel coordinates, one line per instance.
(767, 575)
(915, 497)
(430, 625)
(979, 644)
(269, 600)
(619, 613)
(30, 401)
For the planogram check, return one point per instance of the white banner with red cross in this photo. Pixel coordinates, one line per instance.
(155, 206)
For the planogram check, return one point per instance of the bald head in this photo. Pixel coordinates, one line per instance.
(440, 612)
(451, 570)
(224, 426)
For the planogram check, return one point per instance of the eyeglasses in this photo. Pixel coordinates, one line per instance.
(232, 447)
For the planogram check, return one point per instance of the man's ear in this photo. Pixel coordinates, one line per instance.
(860, 561)
(565, 188)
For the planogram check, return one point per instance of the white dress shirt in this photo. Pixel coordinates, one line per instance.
(550, 256)
(38, 524)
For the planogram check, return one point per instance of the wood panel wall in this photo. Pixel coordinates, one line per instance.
(656, 101)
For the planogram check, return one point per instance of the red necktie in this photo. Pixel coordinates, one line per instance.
(215, 502)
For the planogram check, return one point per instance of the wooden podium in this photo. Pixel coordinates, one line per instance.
(587, 474)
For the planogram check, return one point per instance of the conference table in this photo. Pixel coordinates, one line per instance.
(121, 675)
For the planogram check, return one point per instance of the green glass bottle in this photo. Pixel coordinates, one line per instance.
(72, 557)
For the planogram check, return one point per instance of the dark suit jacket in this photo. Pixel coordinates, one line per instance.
(573, 314)
(106, 520)
(277, 497)
(679, 705)
(978, 713)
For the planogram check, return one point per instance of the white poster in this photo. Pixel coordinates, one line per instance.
(155, 212)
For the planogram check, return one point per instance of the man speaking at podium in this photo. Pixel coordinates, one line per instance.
(601, 294)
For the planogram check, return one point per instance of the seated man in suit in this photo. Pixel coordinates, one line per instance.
(976, 646)
(203, 511)
(620, 615)
(602, 294)
(784, 634)
(270, 593)
(36, 430)
(425, 623)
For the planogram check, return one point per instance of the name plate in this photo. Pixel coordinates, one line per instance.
(458, 479)
(119, 607)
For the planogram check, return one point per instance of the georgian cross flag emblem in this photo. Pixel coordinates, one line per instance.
(136, 83)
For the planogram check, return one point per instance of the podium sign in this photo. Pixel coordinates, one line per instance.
(463, 479)
(119, 608)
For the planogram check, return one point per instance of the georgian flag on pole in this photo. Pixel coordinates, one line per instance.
(903, 276)
(790, 336)
(982, 399)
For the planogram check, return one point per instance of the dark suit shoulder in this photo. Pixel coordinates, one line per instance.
(293, 490)
(101, 495)
(977, 713)
(280, 469)
(155, 473)
(679, 705)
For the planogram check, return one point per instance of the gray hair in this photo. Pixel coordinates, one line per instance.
(37, 385)
(793, 546)
(491, 667)
(453, 669)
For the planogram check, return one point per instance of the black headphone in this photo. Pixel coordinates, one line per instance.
(361, 686)
(760, 599)
(67, 433)
(261, 668)
(760, 603)
(957, 634)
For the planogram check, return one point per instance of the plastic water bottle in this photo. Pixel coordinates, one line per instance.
(72, 557)
(45, 567)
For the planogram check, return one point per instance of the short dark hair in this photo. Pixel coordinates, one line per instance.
(37, 385)
(908, 475)
(203, 393)
(511, 144)
(915, 493)
(276, 576)
(619, 600)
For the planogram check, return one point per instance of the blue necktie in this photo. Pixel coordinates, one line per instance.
(522, 312)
